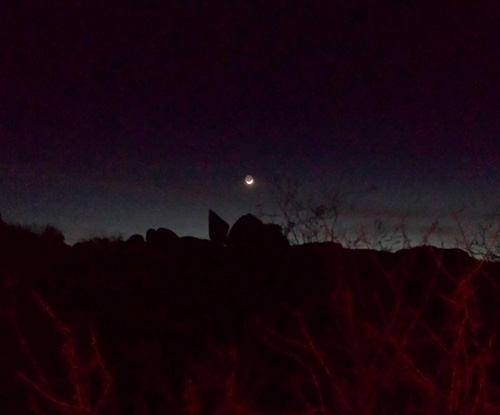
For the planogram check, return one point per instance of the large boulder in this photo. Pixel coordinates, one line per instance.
(251, 232)
(217, 228)
(135, 245)
(135, 240)
(161, 238)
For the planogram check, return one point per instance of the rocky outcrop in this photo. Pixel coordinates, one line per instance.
(217, 228)
(250, 233)
(161, 238)
(136, 240)
(166, 308)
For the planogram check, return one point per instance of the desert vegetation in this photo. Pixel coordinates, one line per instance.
(305, 218)
(247, 323)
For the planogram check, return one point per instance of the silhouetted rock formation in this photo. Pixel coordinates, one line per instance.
(136, 240)
(161, 238)
(249, 234)
(168, 311)
(135, 245)
(217, 228)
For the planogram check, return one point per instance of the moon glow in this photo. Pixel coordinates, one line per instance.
(249, 180)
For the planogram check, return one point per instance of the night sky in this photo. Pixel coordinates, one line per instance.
(119, 116)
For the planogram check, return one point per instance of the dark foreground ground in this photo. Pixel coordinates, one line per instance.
(243, 324)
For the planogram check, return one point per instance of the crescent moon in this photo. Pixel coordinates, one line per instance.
(249, 180)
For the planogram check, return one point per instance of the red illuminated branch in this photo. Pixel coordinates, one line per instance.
(79, 370)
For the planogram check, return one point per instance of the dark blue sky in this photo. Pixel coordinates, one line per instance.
(118, 116)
